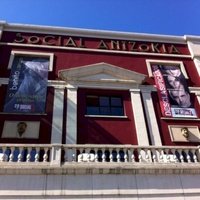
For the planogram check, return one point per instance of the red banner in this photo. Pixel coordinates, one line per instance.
(162, 92)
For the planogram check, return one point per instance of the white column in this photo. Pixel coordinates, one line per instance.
(1, 28)
(151, 117)
(198, 97)
(57, 122)
(194, 47)
(140, 123)
(197, 64)
(2, 24)
(196, 91)
(71, 132)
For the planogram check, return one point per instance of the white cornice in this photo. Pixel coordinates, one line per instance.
(92, 33)
(192, 38)
(52, 83)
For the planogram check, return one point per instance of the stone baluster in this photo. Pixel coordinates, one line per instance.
(154, 156)
(37, 156)
(160, 155)
(132, 155)
(103, 155)
(181, 155)
(111, 155)
(193, 151)
(19, 157)
(45, 156)
(28, 156)
(11, 156)
(174, 155)
(96, 155)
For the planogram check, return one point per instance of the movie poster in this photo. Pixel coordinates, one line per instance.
(27, 85)
(173, 92)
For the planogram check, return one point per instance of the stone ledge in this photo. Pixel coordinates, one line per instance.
(99, 168)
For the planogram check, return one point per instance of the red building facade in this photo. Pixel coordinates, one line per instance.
(73, 51)
(103, 88)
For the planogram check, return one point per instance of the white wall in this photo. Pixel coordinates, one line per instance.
(101, 186)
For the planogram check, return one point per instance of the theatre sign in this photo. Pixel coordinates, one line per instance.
(104, 44)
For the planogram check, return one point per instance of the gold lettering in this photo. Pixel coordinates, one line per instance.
(133, 44)
(19, 38)
(173, 49)
(163, 48)
(70, 43)
(81, 43)
(155, 47)
(49, 40)
(33, 39)
(124, 45)
(102, 45)
(59, 41)
(144, 47)
(115, 45)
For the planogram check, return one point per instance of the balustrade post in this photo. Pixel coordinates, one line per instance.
(55, 156)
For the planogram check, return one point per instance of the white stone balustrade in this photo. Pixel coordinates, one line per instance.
(133, 154)
(17, 153)
(57, 154)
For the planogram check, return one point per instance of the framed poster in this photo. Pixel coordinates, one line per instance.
(27, 87)
(173, 92)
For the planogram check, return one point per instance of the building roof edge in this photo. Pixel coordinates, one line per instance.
(93, 33)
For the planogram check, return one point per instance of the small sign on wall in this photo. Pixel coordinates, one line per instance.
(184, 133)
(21, 129)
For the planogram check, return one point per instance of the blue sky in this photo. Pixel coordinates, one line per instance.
(169, 17)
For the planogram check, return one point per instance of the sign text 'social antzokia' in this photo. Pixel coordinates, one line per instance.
(117, 45)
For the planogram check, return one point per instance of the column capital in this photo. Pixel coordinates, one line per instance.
(135, 90)
(57, 84)
(147, 88)
(195, 90)
(72, 87)
(4, 81)
(194, 46)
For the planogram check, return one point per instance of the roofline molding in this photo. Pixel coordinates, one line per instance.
(92, 33)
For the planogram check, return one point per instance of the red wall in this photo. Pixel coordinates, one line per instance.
(95, 130)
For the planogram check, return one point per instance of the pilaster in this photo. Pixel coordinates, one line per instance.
(71, 136)
(2, 23)
(194, 47)
(57, 122)
(151, 117)
(140, 123)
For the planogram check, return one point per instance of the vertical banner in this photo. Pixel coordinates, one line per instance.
(162, 92)
(27, 85)
(173, 92)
